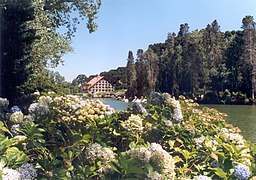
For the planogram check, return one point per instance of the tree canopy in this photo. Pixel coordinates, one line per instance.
(219, 66)
(35, 35)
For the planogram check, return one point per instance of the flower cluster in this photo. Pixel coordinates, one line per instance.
(199, 140)
(202, 177)
(10, 174)
(95, 152)
(15, 128)
(163, 160)
(133, 125)
(17, 117)
(27, 172)
(45, 99)
(235, 138)
(142, 154)
(154, 176)
(15, 109)
(3, 104)
(41, 107)
(242, 171)
(72, 108)
(175, 104)
(138, 108)
(38, 109)
(158, 156)
(177, 113)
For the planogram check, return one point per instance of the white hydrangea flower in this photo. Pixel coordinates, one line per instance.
(235, 138)
(155, 147)
(142, 154)
(163, 160)
(133, 125)
(38, 108)
(199, 140)
(45, 100)
(168, 123)
(225, 130)
(4, 103)
(27, 172)
(201, 177)
(28, 118)
(95, 152)
(15, 128)
(154, 176)
(1, 165)
(10, 174)
(177, 113)
(17, 117)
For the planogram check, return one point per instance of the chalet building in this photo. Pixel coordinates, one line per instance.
(98, 84)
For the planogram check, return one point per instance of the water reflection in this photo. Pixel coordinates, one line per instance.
(242, 116)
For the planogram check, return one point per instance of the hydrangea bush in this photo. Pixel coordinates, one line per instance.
(68, 137)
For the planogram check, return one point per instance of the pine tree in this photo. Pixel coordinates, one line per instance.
(142, 75)
(131, 76)
(213, 51)
(249, 37)
(151, 62)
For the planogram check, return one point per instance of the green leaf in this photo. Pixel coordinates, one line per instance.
(171, 143)
(219, 172)
(227, 164)
(114, 166)
(214, 156)
(229, 148)
(86, 138)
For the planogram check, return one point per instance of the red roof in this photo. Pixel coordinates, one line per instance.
(92, 82)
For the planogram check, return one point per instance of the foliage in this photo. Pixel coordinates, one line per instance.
(66, 137)
(35, 35)
(195, 63)
(116, 77)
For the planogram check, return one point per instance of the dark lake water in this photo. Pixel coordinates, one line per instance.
(242, 116)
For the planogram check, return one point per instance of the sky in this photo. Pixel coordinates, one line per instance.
(129, 25)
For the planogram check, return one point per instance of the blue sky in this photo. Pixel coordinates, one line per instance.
(132, 24)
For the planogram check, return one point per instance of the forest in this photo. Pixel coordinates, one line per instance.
(207, 64)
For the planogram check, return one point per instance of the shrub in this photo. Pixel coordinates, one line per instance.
(68, 137)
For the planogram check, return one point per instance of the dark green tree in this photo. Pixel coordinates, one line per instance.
(166, 66)
(152, 64)
(30, 40)
(213, 51)
(131, 76)
(249, 54)
(80, 80)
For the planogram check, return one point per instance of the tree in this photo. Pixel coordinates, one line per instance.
(80, 80)
(213, 51)
(249, 37)
(152, 62)
(116, 77)
(31, 39)
(131, 76)
(234, 63)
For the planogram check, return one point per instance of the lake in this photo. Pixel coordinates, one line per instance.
(116, 104)
(242, 116)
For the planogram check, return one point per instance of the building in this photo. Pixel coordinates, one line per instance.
(98, 84)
